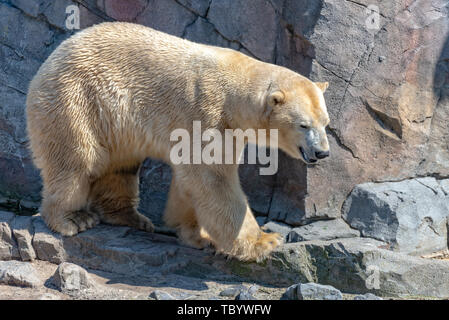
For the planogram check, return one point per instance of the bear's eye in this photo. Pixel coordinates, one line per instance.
(304, 126)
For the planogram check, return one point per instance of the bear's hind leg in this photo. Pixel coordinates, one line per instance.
(64, 198)
(115, 197)
(180, 214)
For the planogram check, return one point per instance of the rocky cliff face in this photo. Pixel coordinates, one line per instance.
(388, 97)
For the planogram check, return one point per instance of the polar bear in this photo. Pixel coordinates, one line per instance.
(109, 96)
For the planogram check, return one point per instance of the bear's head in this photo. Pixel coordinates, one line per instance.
(296, 107)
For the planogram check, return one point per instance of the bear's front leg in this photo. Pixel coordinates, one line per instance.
(222, 211)
(252, 243)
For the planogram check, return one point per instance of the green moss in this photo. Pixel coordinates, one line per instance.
(244, 269)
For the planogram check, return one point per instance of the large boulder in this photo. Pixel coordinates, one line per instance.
(71, 279)
(312, 291)
(388, 95)
(8, 246)
(322, 230)
(410, 215)
(18, 273)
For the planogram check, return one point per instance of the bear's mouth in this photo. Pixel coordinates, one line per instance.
(305, 157)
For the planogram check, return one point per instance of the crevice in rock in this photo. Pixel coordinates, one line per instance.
(205, 16)
(390, 126)
(425, 185)
(349, 82)
(332, 72)
(422, 120)
(341, 144)
(184, 33)
(141, 11)
(12, 88)
(429, 222)
(436, 176)
(273, 190)
(196, 13)
(40, 17)
(366, 6)
(18, 54)
(95, 10)
(233, 41)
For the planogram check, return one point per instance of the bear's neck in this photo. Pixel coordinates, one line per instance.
(245, 85)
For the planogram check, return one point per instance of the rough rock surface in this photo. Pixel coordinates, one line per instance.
(352, 265)
(8, 247)
(367, 296)
(71, 279)
(312, 291)
(247, 293)
(161, 295)
(22, 229)
(47, 244)
(322, 230)
(231, 292)
(17, 273)
(410, 215)
(388, 98)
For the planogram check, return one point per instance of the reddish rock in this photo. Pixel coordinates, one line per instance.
(123, 10)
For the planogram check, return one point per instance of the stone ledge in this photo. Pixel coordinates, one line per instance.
(353, 265)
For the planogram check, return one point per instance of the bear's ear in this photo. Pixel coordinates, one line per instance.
(322, 85)
(275, 98)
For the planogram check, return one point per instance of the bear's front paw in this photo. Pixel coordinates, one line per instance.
(256, 249)
(78, 221)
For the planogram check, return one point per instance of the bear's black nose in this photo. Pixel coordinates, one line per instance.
(322, 154)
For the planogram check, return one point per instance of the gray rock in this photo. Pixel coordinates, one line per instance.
(8, 246)
(410, 215)
(49, 296)
(369, 139)
(352, 265)
(155, 178)
(123, 250)
(202, 31)
(257, 38)
(161, 295)
(17, 273)
(322, 230)
(312, 291)
(22, 229)
(245, 295)
(47, 244)
(32, 8)
(248, 293)
(279, 227)
(200, 7)
(253, 289)
(71, 279)
(367, 296)
(166, 16)
(231, 292)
